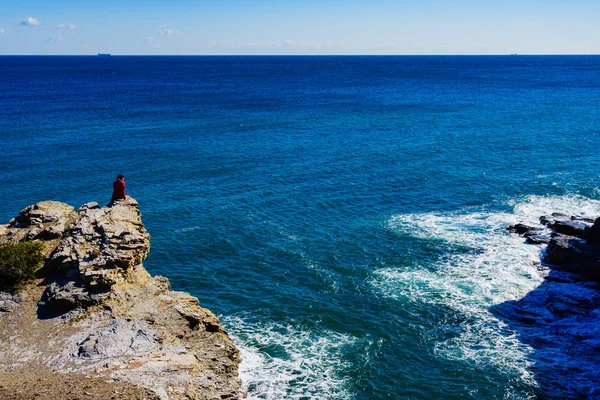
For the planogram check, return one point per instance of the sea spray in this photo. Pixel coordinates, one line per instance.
(482, 266)
(283, 361)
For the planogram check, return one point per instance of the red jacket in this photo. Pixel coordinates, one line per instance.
(119, 189)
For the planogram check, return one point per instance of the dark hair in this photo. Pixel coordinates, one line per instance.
(120, 176)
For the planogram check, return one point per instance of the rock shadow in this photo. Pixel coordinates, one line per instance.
(65, 294)
(560, 319)
(560, 322)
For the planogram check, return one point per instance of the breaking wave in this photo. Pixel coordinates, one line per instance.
(281, 361)
(482, 265)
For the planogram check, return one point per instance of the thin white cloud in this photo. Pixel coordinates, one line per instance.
(66, 25)
(166, 31)
(2, 31)
(30, 21)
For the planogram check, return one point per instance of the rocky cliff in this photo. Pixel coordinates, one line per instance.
(96, 313)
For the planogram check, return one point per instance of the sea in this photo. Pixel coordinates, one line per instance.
(345, 217)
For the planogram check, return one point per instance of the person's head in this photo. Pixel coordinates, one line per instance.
(120, 176)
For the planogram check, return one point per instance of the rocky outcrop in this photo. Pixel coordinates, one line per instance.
(96, 310)
(104, 244)
(560, 319)
(573, 243)
(565, 225)
(45, 220)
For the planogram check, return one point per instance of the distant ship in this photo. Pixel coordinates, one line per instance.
(103, 54)
(514, 54)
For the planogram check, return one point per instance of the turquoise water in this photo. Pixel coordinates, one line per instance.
(344, 216)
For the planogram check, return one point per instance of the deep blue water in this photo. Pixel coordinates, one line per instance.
(342, 215)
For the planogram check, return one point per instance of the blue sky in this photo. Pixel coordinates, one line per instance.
(299, 27)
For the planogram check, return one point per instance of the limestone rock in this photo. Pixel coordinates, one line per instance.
(10, 301)
(66, 295)
(45, 220)
(117, 338)
(104, 243)
(97, 311)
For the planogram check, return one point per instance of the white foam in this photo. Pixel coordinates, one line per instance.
(281, 361)
(492, 267)
(529, 210)
(190, 229)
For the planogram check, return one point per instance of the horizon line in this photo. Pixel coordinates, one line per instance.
(302, 55)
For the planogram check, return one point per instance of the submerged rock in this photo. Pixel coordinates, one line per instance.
(520, 228)
(531, 234)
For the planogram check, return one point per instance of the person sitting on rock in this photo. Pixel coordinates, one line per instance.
(119, 189)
